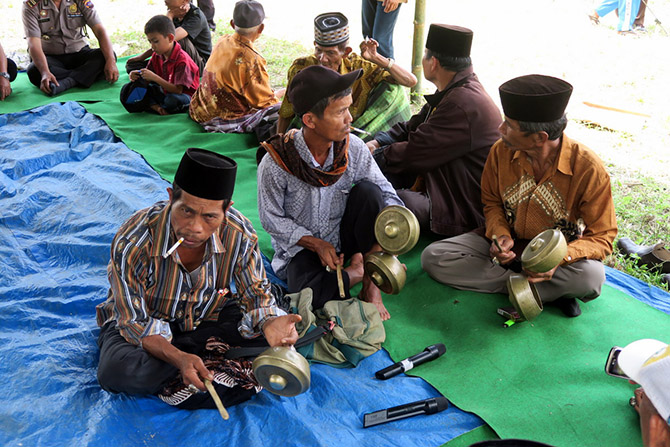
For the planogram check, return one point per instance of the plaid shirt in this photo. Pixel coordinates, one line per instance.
(148, 291)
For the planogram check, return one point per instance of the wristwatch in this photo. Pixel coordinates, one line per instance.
(4, 74)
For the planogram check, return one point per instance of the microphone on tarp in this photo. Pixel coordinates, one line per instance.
(430, 353)
(427, 406)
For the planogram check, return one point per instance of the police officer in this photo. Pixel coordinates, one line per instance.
(61, 57)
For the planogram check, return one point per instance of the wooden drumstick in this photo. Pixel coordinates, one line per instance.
(340, 283)
(217, 399)
(495, 241)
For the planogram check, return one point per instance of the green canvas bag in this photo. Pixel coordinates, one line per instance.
(357, 329)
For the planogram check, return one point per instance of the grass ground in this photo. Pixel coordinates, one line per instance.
(628, 72)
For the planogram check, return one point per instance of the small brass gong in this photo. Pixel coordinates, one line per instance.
(544, 252)
(524, 297)
(397, 229)
(282, 371)
(386, 272)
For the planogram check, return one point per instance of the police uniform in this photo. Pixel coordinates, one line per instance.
(62, 32)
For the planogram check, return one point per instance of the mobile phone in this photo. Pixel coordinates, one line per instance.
(612, 366)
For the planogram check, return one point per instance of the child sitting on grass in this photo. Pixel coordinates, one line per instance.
(171, 76)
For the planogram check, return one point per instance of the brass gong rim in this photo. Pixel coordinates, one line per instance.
(397, 229)
(282, 371)
(545, 251)
(524, 297)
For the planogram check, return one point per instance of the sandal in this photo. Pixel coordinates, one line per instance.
(594, 18)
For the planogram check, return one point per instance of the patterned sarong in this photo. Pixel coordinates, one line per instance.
(228, 373)
(245, 124)
(387, 106)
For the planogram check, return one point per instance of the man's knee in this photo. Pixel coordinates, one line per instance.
(582, 280)
(591, 279)
(367, 191)
(116, 377)
(436, 256)
(126, 368)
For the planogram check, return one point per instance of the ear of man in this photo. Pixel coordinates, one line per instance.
(540, 138)
(308, 119)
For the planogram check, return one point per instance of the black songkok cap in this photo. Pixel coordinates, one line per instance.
(330, 29)
(206, 174)
(535, 98)
(449, 40)
(248, 13)
(316, 82)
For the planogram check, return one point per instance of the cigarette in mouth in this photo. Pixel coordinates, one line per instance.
(173, 248)
(356, 129)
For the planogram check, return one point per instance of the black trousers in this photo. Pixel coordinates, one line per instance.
(85, 67)
(357, 235)
(127, 368)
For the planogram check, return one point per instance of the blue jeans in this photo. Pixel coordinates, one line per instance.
(176, 102)
(379, 25)
(170, 102)
(627, 11)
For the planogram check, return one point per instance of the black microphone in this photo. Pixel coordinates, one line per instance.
(427, 406)
(430, 353)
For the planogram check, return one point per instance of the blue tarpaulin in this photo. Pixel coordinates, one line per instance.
(66, 185)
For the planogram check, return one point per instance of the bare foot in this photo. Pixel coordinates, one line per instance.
(158, 109)
(355, 269)
(372, 294)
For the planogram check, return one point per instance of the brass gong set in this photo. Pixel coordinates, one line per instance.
(397, 231)
(544, 252)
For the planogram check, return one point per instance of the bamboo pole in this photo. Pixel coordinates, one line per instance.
(417, 47)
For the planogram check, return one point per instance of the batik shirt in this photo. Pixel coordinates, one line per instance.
(149, 291)
(576, 187)
(235, 82)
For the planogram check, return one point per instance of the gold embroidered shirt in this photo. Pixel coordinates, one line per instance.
(577, 186)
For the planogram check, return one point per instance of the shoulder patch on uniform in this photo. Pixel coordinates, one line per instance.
(31, 3)
(88, 4)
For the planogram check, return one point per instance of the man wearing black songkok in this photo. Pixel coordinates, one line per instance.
(535, 178)
(171, 273)
(435, 159)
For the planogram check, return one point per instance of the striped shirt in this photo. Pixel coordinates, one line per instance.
(149, 292)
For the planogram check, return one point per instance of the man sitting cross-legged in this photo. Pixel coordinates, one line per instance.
(171, 271)
(320, 191)
(535, 178)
